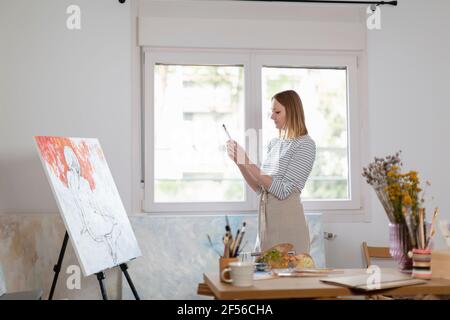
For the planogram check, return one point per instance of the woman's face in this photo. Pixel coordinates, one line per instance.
(278, 114)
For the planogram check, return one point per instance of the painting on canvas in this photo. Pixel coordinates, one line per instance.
(89, 202)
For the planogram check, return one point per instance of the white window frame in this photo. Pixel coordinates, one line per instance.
(253, 61)
(308, 60)
(188, 57)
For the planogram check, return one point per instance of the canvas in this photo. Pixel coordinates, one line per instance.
(89, 202)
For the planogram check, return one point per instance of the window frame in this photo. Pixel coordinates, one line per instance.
(311, 60)
(252, 61)
(188, 57)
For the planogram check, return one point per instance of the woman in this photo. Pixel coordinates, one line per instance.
(279, 182)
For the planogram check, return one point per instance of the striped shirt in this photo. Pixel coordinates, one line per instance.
(289, 162)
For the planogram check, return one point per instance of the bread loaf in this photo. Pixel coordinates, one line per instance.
(278, 257)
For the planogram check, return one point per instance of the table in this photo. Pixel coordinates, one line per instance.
(313, 288)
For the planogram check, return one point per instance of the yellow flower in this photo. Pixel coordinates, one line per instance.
(407, 201)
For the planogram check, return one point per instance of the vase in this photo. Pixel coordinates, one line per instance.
(399, 246)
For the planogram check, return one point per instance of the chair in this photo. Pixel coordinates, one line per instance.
(383, 253)
(374, 252)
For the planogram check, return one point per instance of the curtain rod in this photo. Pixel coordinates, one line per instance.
(378, 3)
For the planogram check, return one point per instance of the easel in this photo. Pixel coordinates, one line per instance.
(100, 275)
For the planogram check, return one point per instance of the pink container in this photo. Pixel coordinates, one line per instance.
(399, 246)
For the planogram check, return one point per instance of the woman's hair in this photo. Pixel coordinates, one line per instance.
(295, 117)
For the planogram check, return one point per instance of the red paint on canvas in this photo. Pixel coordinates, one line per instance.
(52, 150)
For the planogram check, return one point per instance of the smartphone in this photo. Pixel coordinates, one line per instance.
(226, 131)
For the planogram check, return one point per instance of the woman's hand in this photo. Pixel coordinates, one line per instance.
(236, 153)
(250, 171)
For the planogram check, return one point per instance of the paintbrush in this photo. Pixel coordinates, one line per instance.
(230, 234)
(211, 244)
(432, 227)
(421, 229)
(234, 244)
(226, 249)
(227, 223)
(242, 247)
(240, 237)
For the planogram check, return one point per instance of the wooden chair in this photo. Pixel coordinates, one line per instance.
(374, 252)
(383, 253)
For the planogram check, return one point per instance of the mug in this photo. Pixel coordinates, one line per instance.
(241, 274)
(223, 264)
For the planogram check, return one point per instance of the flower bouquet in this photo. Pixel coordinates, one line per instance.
(403, 202)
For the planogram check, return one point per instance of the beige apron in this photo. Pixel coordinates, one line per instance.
(282, 221)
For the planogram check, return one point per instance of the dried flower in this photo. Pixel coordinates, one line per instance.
(399, 193)
(378, 174)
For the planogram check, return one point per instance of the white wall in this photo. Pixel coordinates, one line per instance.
(66, 83)
(409, 108)
(53, 81)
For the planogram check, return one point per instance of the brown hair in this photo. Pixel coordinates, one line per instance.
(295, 116)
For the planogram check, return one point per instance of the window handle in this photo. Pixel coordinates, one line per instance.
(329, 235)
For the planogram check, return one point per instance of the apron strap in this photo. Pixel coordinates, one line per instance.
(262, 220)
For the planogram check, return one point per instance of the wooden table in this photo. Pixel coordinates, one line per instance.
(313, 288)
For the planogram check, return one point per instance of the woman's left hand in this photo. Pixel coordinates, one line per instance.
(236, 152)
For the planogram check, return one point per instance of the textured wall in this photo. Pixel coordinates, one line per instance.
(29, 248)
(176, 252)
(175, 255)
(2, 282)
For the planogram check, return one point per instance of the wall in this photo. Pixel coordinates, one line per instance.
(65, 83)
(30, 245)
(54, 81)
(409, 104)
(175, 254)
(57, 82)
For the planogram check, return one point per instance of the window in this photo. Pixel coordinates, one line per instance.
(189, 94)
(324, 94)
(190, 101)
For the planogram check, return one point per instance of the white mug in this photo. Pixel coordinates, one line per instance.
(241, 274)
